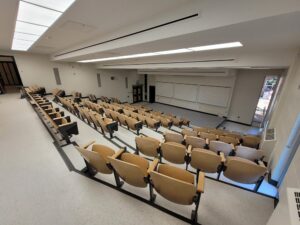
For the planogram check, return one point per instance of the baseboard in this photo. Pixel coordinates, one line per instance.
(187, 109)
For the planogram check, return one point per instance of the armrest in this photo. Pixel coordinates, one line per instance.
(200, 185)
(233, 147)
(189, 149)
(207, 141)
(223, 159)
(57, 118)
(261, 163)
(88, 144)
(118, 153)
(184, 137)
(153, 165)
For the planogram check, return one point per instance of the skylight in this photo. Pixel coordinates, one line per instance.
(169, 52)
(34, 19)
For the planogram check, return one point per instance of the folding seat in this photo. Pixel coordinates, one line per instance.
(107, 112)
(186, 122)
(249, 153)
(188, 132)
(127, 112)
(56, 114)
(173, 137)
(165, 122)
(96, 158)
(234, 135)
(177, 121)
(142, 118)
(229, 140)
(135, 116)
(122, 119)
(219, 146)
(66, 127)
(245, 171)
(195, 142)
(148, 146)
(106, 125)
(152, 123)
(134, 124)
(209, 136)
(115, 115)
(175, 153)
(251, 141)
(200, 129)
(217, 132)
(132, 168)
(93, 98)
(177, 185)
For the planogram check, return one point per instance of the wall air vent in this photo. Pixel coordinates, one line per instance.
(132, 34)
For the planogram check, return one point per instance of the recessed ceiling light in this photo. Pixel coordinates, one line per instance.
(59, 5)
(34, 18)
(34, 14)
(169, 52)
(29, 28)
(21, 45)
(26, 37)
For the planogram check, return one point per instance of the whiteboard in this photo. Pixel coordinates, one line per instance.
(186, 92)
(212, 95)
(164, 89)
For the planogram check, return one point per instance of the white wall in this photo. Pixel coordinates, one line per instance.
(246, 93)
(222, 81)
(38, 69)
(283, 119)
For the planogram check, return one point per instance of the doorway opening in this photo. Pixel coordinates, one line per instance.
(10, 80)
(265, 99)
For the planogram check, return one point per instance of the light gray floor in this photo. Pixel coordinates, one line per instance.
(231, 126)
(37, 188)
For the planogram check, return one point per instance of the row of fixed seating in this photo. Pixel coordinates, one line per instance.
(215, 134)
(175, 184)
(245, 167)
(35, 89)
(221, 145)
(106, 125)
(59, 122)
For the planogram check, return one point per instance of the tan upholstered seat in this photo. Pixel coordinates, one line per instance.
(173, 137)
(218, 132)
(152, 123)
(234, 135)
(132, 168)
(133, 124)
(229, 140)
(174, 152)
(195, 142)
(249, 153)
(147, 145)
(206, 161)
(245, 171)
(177, 185)
(96, 158)
(219, 146)
(106, 124)
(188, 132)
(122, 119)
(200, 129)
(251, 141)
(209, 136)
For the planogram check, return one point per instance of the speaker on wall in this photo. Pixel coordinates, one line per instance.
(56, 75)
(99, 79)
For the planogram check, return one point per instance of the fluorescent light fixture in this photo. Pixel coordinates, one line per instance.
(217, 46)
(21, 45)
(169, 52)
(59, 5)
(34, 19)
(34, 14)
(29, 28)
(26, 37)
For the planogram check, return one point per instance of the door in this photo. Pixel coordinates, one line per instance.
(151, 94)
